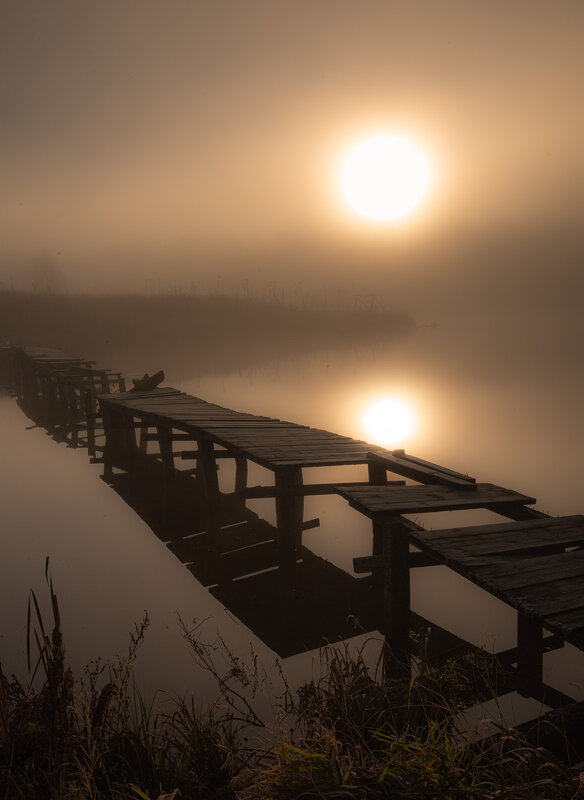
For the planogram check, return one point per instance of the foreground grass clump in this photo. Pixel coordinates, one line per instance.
(70, 739)
(358, 737)
(349, 733)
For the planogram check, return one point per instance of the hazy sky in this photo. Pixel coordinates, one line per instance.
(145, 131)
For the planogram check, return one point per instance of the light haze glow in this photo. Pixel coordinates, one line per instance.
(388, 421)
(384, 178)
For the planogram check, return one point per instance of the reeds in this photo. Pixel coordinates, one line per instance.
(358, 736)
(98, 738)
(351, 732)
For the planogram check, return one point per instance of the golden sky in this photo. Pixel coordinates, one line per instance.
(167, 126)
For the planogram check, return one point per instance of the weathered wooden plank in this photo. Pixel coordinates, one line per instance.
(403, 456)
(547, 588)
(385, 501)
(508, 527)
(276, 438)
(338, 459)
(249, 436)
(471, 551)
(233, 427)
(299, 454)
(552, 597)
(294, 446)
(517, 574)
(294, 440)
(148, 382)
(363, 564)
(418, 470)
(570, 624)
(130, 398)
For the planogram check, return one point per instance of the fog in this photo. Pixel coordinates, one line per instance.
(194, 147)
(189, 151)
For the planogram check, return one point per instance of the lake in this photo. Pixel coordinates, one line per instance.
(482, 411)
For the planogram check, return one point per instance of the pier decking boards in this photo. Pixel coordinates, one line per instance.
(525, 564)
(59, 389)
(383, 502)
(530, 561)
(270, 442)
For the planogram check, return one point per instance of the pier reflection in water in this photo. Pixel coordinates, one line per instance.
(224, 569)
(292, 608)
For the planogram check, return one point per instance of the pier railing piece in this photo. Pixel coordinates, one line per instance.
(417, 469)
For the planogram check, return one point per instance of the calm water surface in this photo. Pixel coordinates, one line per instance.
(517, 428)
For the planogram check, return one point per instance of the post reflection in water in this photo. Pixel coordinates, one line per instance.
(241, 571)
(291, 608)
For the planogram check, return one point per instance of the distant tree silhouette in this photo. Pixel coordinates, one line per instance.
(45, 275)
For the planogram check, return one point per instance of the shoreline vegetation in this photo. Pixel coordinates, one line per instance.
(191, 335)
(350, 734)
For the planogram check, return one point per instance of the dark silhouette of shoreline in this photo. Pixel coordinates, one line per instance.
(192, 335)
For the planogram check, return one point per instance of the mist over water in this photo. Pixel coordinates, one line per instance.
(170, 199)
(513, 426)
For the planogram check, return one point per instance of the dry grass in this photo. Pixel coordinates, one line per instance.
(97, 738)
(350, 733)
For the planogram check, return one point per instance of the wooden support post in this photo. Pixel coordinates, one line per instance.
(129, 434)
(51, 398)
(143, 441)
(208, 470)
(30, 392)
(73, 415)
(109, 444)
(104, 383)
(90, 422)
(120, 440)
(18, 374)
(289, 508)
(71, 396)
(165, 444)
(377, 477)
(43, 395)
(377, 473)
(529, 654)
(396, 595)
(240, 476)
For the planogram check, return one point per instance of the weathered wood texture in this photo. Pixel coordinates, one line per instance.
(270, 442)
(58, 390)
(525, 564)
(417, 469)
(383, 502)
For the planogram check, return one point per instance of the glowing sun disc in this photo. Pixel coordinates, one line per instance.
(388, 421)
(384, 177)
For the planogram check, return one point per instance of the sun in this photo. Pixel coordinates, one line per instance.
(384, 177)
(388, 421)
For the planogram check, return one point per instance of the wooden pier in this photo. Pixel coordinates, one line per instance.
(134, 418)
(531, 562)
(59, 390)
(173, 441)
